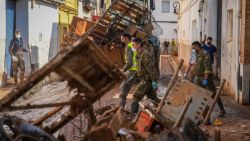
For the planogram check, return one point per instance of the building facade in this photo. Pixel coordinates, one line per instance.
(197, 19)
(3, 16)
(226, 22)
(165, 17)
(67, 10)
(41, 22)
(38, 23)
(235, 50)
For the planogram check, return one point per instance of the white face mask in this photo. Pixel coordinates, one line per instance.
(133, 49)
(193, 51)
(18, 36)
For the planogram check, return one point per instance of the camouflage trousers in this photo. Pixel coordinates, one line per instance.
(131, 77)
(144, 88)
(211, 87)
(21, 65)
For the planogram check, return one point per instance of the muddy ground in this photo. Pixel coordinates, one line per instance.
(235, 126)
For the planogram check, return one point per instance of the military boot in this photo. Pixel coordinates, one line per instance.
(21, 77)
(134, 107)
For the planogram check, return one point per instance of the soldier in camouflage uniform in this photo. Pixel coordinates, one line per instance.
(129, 69)
(155, 51)
(16, 51)
(147, 74)
(204, 76)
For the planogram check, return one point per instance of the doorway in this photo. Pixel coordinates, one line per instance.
(10, 29)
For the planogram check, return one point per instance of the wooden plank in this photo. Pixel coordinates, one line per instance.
(170, 85)
(179, 120)
(215, 100)
(78, 78)
(39, 121)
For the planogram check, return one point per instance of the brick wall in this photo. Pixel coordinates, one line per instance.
(245, 33)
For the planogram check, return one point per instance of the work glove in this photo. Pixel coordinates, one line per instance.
(14, 58)
(205, 82)
(154, 85)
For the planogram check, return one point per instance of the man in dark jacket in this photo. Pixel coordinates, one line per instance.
(16, 51)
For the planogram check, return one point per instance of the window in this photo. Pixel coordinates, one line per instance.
(165, 6)
(230, 25)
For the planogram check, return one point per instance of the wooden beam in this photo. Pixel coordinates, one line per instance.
(170, 85)
(79, 78)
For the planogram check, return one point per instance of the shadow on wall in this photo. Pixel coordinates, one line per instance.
(53, 49)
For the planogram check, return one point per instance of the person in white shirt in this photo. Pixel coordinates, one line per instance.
(191, 67)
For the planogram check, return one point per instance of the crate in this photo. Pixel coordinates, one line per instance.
(178, 97)
(145, 123)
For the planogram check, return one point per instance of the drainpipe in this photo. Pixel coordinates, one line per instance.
(237, 44)
(201, 14)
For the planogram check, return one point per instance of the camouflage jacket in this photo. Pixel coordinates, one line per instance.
(128, 59)
(203, 65)
(146, 67)
(154, 51)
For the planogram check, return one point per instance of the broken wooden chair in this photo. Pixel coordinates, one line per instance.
(87, 75)
(182, 99)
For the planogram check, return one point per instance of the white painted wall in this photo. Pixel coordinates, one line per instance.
(191, 23)
(230, 50)
(2, 33)
(211, 17)
(188, 22)
(167, 21)
(82, 13)
(39, 27)
(43, 31)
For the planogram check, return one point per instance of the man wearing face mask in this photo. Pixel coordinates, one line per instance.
(129, 69)
(16, 51)
(212, 50)
(204, 76)
(147, 74)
